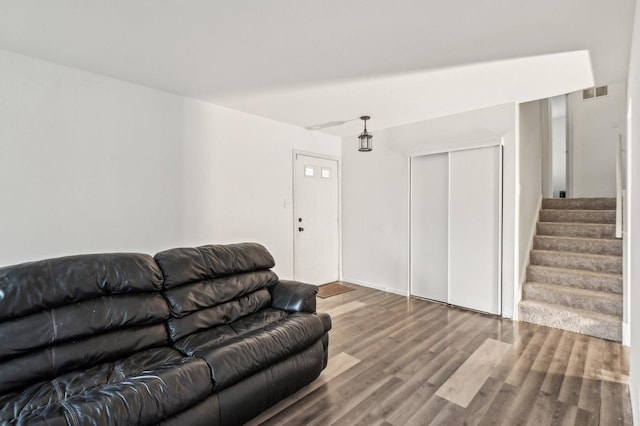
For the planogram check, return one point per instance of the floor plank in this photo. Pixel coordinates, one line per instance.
(465, 383)
(396, 361)
(346, 308)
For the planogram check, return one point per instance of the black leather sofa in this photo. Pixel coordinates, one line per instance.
(194, 336)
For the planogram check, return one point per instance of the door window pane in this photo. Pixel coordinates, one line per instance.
(309, 171)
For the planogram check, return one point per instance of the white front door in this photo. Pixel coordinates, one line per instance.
(315, 209)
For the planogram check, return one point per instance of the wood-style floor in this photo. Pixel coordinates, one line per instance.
(401, 361)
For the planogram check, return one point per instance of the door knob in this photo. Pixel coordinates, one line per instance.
(301, 229)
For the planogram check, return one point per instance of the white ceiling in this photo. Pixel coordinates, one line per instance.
(309, 62)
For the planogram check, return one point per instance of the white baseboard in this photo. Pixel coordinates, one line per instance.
(626, 334)
(635, 413)
(401, 292)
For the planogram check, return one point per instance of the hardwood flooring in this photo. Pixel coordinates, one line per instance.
(396, 361)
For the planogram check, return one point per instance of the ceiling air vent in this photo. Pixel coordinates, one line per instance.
(595, 92)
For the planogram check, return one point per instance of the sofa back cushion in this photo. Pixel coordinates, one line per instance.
(58, 315)
(213, 285)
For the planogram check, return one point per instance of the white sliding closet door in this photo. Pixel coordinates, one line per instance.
(456, 227)
(474, 211)
(429, 224)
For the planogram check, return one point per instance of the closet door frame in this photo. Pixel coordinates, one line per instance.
(485, 143)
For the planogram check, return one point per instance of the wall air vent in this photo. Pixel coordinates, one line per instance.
(595, 92)
(602, 91)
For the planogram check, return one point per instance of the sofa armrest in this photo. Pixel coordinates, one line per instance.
(294, 296)
(326, 321)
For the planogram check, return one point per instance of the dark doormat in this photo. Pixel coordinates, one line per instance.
(328, 290)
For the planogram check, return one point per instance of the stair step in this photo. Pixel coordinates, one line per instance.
(578, 216)
(612, 247)
(595, 301)
(579, 203)
(582, 230)
(587, 262)
(576, 278)
(577, 320)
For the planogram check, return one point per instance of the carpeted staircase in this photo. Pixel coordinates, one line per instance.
(574, 280)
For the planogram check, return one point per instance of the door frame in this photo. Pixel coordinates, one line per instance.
(546, 127)
(483, 143)
(296, 152)
(569, 176)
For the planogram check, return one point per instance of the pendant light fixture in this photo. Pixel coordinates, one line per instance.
(365, 137)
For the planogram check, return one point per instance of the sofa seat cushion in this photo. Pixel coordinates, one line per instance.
(252, 343)
(215, 336)
(143, 388)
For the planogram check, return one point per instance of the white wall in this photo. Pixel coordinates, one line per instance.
(530, 178)
(93, 164)
(594, 127)
(376, 194)
(375, 197)
(633, 212)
